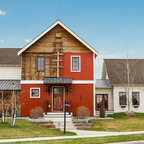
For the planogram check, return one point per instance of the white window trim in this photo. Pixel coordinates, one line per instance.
(31, 93)
(79, 63)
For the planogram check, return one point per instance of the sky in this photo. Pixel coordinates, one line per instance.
(113, 27)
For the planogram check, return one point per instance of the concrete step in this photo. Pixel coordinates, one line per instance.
(57, 113)
(57, 119)
(57, 116)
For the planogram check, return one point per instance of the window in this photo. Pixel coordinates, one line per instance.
(122, 98)
(35, 93)
(40, 63)
(75, 64)
(135, 98)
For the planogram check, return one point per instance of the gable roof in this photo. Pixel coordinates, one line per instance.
(117, 71)
(8, 56)
(48, 29)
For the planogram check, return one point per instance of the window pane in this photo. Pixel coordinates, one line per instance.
(122, 98)
(35, 92)
(40, 64)
(75, 63)
(135, 98)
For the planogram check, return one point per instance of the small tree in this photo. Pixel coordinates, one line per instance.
(83, 112)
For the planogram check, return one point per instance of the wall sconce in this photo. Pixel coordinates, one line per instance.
(45, 90)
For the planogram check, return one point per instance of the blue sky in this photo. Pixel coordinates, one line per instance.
(112, 27)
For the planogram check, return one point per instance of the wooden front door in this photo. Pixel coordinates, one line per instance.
(101, 101)
(58, 99)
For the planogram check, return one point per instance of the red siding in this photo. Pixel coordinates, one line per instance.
(81, 95)
(86, 66)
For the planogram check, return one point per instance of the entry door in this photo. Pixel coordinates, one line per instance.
(58, 99)
(101, 101)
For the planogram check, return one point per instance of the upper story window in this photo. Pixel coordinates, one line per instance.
(35, 93)
(40, 64)
(135, 98)
(122, 98)
(75, 64)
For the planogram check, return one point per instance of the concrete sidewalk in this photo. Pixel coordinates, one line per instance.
(130, 142)
(80, 134)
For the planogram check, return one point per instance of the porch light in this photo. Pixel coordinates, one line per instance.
(45, 90)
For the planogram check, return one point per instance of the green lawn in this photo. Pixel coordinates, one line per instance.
(99, 140)
(26, 129)
(120, 123)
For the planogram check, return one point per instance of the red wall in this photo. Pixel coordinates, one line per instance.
(86, 66)
(81, 95)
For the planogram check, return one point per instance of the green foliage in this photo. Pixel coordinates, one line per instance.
(102, 113)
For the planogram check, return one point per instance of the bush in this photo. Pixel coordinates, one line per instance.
(102, 113)
(83, 112)
(36, 112)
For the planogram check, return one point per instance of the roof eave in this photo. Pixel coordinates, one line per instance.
(48, 29)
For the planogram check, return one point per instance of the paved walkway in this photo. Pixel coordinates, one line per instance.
(80, 134)
(130, 142)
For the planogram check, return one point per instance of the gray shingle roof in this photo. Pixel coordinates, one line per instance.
(8, 56)
(48, 80)
(100, 83)
(117, 71)
(10, 85)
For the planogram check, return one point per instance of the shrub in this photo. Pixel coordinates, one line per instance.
(102, 113)
(36, 112)
(83, 112)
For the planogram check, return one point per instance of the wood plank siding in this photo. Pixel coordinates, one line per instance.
(59, 38)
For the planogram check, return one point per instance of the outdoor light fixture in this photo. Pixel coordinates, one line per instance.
(70, 89)
(45, 89)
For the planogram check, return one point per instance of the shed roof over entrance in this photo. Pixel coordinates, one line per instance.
(10, 85)
(50, 80)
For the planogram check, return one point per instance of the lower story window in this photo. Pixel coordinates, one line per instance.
(135, 98)
(122, 98)
(35, 93)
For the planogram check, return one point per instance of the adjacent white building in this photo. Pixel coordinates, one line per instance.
(121, 87)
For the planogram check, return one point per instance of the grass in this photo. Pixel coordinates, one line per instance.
(120, 123)
(98, 140)
(26, 129)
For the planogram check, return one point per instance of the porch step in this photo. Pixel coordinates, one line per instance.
(48, 124)
(58, 120)
(82, 124)
(106, 113)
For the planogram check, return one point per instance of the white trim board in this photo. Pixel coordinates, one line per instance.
(42, 82)
(31, 81)
(48, 29)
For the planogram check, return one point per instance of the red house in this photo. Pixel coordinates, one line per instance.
(57, 66)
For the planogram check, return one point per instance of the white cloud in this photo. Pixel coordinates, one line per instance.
(27, 40)
(1, 41)
(2, 13)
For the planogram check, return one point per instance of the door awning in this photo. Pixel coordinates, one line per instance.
(50, 80)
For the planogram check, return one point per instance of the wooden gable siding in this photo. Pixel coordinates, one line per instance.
(45, 47)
